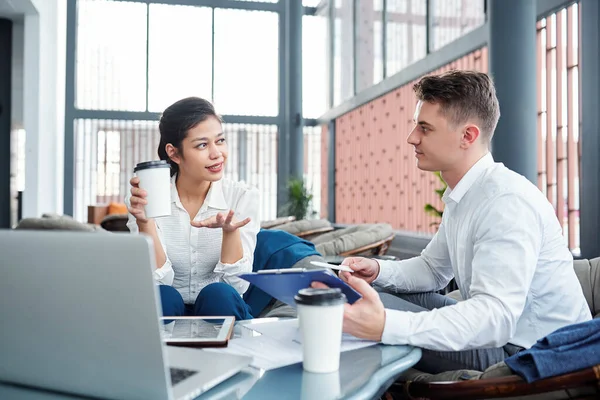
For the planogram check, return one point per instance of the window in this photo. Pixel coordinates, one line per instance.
(369, 57)
(111, 55)
(314, 66)
(343, 53)
(452, 19)
(180, 54)
(246, 62)
(406, 40)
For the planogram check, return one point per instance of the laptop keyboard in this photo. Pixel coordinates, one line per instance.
(180, 374)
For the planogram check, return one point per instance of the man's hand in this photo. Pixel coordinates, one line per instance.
(364, 268)
(365, 318)
(221, 221)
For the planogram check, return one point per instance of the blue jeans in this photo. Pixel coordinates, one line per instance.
(215, 299)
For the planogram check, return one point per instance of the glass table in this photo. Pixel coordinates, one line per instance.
(364, 374)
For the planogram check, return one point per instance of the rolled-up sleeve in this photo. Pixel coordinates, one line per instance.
(165, 274)
(247, 206)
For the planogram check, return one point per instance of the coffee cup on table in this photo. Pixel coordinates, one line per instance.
(155, 179)
(320, 316)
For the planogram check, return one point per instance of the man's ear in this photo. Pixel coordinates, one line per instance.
(470, 135)
(173, 153)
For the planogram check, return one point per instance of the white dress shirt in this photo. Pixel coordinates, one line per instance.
(501, 240)
(194, 254)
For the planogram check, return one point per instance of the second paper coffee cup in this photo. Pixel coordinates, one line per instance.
(320, 315)
(155, 179)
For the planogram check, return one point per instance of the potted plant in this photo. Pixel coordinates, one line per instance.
(430, 208)
(299, 200)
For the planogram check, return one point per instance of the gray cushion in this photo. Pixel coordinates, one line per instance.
(351, 238)
(304, 225)
(57, 222)
(588, 273)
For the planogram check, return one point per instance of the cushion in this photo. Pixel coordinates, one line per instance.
(304, 225)
(57, 222)
(351, 238)
(115, 208)
(115, 223)
(588, 273)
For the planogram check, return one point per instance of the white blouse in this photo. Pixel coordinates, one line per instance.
(194, 254)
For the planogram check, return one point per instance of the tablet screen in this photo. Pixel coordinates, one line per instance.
(196, 329)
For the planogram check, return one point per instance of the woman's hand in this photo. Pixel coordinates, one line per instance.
(221, 220)
(138, 201)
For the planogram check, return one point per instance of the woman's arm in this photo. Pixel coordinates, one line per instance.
(239, 239)
(137, 222)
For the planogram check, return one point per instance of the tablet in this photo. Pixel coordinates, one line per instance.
(197, 331)
(283, 284)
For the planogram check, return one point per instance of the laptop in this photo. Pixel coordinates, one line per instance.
(80, 314)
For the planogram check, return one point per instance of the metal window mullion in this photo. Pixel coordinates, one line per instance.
(354, 46)
(147, 57)
(212, 49)
(428, 26)
(229, 4)
(70, 84)
(384, 37)
(331, 55)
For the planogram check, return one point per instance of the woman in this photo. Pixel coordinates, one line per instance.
(203, 244)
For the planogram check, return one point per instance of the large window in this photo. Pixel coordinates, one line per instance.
(135, 58)
(180, 54)
(452, 19)
(246, 68)
(111, 55)
(314, 66)
(343, 51)
(369, 38)
(406, 33)
(114, 74)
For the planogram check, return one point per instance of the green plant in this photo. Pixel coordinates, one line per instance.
(431, 209)
(299, 199)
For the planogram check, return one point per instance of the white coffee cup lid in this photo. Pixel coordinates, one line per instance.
(320, 297)
(151, 164)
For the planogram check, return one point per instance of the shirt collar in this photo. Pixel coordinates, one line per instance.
(468, 179)
(214, 198)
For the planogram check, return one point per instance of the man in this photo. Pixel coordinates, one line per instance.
(499, 238)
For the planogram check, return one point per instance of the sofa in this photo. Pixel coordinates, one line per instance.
(498, 381)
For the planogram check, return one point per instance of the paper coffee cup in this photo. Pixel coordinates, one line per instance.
(320, 316)
(155, 179)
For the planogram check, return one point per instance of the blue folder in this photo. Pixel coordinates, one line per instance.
(283, 284)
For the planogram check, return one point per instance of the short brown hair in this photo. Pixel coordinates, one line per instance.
(463, 95)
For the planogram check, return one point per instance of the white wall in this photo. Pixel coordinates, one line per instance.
(44, 106)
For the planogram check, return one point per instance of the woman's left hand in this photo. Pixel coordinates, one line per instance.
(222, 220)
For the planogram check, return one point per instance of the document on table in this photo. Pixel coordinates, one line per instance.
(279, 345)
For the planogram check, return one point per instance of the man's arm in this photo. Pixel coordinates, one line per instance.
(508, 240)
(430, 271)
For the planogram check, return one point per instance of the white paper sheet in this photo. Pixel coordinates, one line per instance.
(289, 329)
(279, 345)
